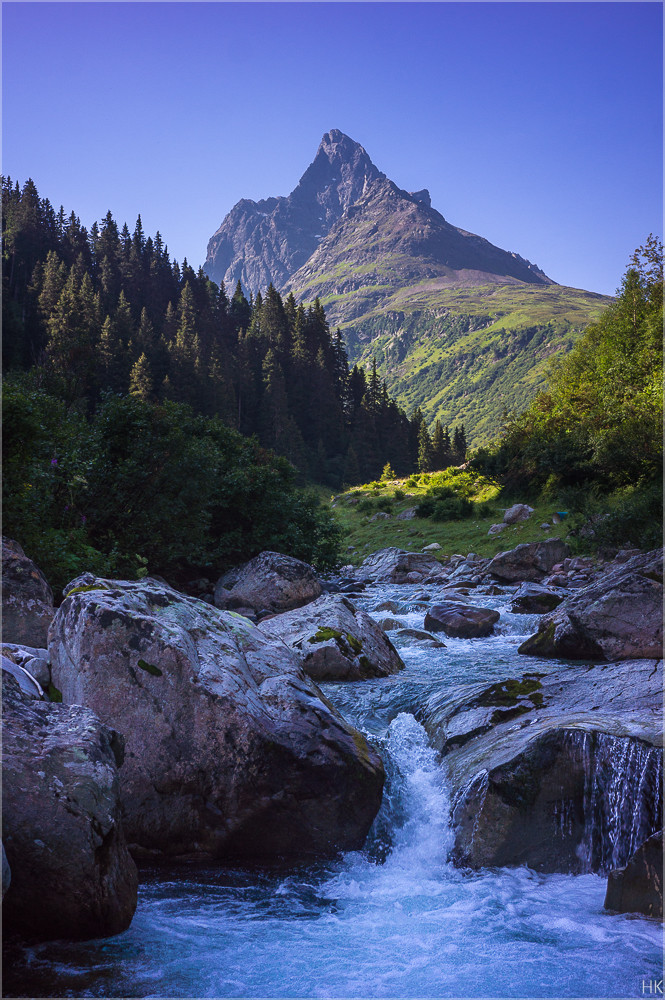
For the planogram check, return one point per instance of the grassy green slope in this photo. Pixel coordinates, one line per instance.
(465, 355)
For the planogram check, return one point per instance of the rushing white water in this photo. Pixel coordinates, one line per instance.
(395, 920)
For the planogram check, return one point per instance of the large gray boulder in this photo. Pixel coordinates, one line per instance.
(461, 621)
(638, 887)
(268, 584)
(231, 749)
(560, 772)
(71, 873)
(335, 640)
(393, 565)
(529, 561)
(27, 599)
(617, 617)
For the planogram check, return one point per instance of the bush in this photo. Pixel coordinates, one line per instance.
(143, 482)
(366, 505)
(399, 495)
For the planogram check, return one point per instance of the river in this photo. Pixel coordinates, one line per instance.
(395, 920)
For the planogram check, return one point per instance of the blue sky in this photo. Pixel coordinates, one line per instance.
(536, 125)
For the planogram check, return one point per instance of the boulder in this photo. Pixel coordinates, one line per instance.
(231, 750)
(411, 635)
(496, 529)
(560, 772)
(27, 599)
(638, 887)
(518, 512)
(432, 547)
(406, 515)
(268, 584)
(71, 873)
(529, 561)
(335, 641)
(393, 565)
(461, 621)
(617, 617)
(532, 598)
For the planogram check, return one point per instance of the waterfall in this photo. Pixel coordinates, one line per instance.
(622, 797)
(413, 825)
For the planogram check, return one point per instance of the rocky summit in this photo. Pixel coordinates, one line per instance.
(456, 324)
(344, 215)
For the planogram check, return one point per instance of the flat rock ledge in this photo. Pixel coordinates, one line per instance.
(334, 640)
(525, 757)
(71, 873)
(232, 751)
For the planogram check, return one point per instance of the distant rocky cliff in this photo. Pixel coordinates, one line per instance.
(345, 212)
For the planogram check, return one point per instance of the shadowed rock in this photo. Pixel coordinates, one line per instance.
(268, 583)
(638, 888)
(71, 873)
(618, 617)
(231, 749)
(529, 561)
(461, 621)
(335, 640)
(27, 599)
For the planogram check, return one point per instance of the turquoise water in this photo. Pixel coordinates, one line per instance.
(396, 920)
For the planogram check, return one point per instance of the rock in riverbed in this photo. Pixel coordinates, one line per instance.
(619, 616)
(231, 749)
(268, 584)
(461, 621)
(71, 873)
(530, 561)
(638, 887)
(335, 640)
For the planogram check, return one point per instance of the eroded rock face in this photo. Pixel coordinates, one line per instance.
(231, 749)
(461, 621)
(561, 772)
(335, 641)
(638, 888)
(27, 599)
(393, 565)
(619, 616)
(268, 584)
(71, 873)
(529, 561)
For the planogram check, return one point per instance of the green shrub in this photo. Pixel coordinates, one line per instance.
(399, 495)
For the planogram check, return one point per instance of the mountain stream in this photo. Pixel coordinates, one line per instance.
(394, 920)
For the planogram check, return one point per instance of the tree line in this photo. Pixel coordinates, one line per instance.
(107, 311)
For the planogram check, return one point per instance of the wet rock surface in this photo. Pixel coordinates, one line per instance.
(461, 621)
(71, 873)
(27, 599)
(523, 755)
(532, 598)
(618, 616)
(231, 749)
(268, 584)
(334, 640)
(638, 887)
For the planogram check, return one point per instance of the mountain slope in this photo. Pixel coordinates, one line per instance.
(456, 325)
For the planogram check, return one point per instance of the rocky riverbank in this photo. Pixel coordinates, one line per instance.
(207, 737)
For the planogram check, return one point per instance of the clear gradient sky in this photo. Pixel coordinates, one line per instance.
(535, 125)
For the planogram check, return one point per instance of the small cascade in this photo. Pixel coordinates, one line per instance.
(413, 825)
(622, 797)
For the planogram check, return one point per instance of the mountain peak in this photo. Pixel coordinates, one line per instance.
(340, 201)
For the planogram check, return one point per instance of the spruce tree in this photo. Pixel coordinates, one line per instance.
(424, 449)
(140, 379)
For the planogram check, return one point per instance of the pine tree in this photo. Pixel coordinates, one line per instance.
(441, 448)
(424, 449)
(459, 445)
(140, 379)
